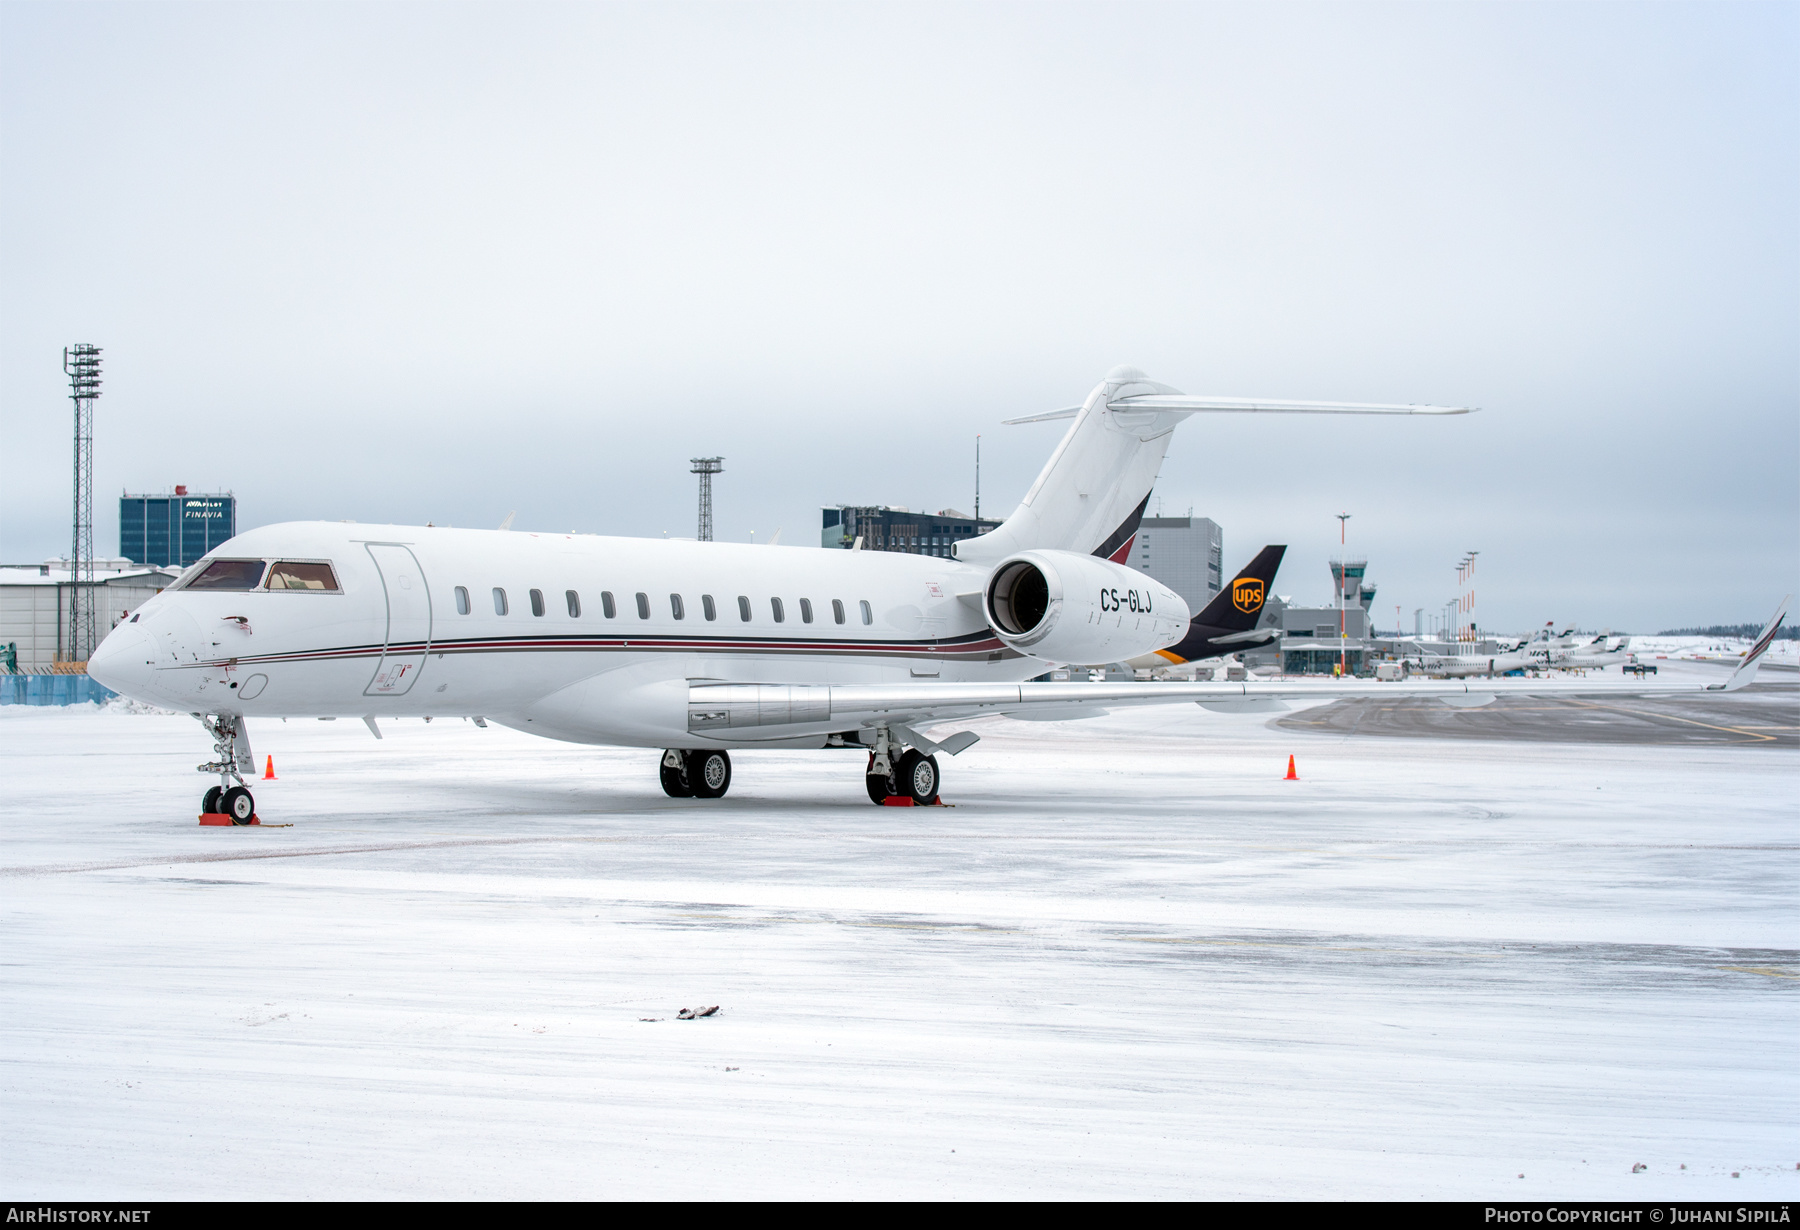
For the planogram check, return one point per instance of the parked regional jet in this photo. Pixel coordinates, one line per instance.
(1547, 650)
(1466, 663)
(701, 648)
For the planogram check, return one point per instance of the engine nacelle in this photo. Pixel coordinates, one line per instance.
(1065, 607)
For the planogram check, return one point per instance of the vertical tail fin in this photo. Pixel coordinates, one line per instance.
(1746, 671)
(1092, 493)
(1239, 605)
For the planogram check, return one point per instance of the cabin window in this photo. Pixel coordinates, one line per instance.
(537, 602)
(707, 608)
(643, 605)
(233, 574)
(499, 601)
(775, 605)
(837, 611)
(867, 614)
(462, 601)
(608, 607)
(574, 601)
(743, 608)
(806, 610)
(676, 608)
(287, 574)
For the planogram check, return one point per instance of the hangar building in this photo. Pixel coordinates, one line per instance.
(34, 605)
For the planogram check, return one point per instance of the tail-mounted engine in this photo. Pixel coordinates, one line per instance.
(1069, 608)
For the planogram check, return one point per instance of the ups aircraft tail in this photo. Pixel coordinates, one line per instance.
(1228, 623)
(1092, 493)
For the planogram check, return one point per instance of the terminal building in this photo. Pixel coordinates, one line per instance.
(885, 528)
(174, 531)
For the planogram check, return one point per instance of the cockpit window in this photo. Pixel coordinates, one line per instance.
(233, 574)
(287, 574)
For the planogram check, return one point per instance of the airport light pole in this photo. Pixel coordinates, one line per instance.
(1342, 571)
(82, 363)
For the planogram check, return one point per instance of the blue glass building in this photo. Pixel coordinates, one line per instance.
(174, 530)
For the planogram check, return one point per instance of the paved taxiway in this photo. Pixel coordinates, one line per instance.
(1132, 962)
(1765, 714)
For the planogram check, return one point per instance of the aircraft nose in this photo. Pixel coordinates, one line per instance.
(122, 661)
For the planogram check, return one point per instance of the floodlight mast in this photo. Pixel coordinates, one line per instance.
(82, 363)
(706, 467)
(1343, 574)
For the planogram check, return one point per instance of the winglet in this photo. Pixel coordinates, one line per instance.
(1746, 671)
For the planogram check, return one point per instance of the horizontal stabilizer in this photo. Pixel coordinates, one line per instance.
(1255, 636)
(1182, 403)
(1067, 412)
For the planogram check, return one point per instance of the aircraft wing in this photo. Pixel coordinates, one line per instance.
(720, 708)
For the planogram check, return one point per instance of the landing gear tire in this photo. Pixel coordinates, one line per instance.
(675, 779)
(879, 793)
(709, 773)
(917, 776)
(209, 805)
(238, 804)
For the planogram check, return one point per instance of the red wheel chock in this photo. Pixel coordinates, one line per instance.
(906, 800)
(225, 821)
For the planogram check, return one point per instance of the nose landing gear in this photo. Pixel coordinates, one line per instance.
(231, 746)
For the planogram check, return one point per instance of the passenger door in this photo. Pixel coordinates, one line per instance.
(408, 620)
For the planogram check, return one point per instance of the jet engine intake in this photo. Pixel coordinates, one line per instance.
(1065, 607)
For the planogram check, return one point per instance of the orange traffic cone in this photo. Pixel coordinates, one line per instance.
(269, 772)
(1292, 776)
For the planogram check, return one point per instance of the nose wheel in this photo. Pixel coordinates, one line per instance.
(231, 749)
(238, 804)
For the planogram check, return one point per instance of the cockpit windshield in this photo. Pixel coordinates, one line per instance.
(228, 574)
(290, 574)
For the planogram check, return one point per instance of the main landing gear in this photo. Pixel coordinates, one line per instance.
(911, 777)
(897, 775)
(231, 747)
(695, 773)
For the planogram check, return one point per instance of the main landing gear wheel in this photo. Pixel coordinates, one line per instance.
(709, 773)
(209, 805)
(238, 804)
(917, 775)
(675, 777)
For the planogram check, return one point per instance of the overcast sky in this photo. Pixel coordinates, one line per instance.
(438, 262)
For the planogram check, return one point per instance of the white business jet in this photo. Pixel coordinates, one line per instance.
(704, 648)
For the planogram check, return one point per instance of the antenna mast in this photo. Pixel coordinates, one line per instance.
(82, 363)
(706, 467)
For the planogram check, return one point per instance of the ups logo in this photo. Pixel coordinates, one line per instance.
(1247, 594)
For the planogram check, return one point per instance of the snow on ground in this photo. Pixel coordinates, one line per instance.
(1712, 649)
(1132, 961)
